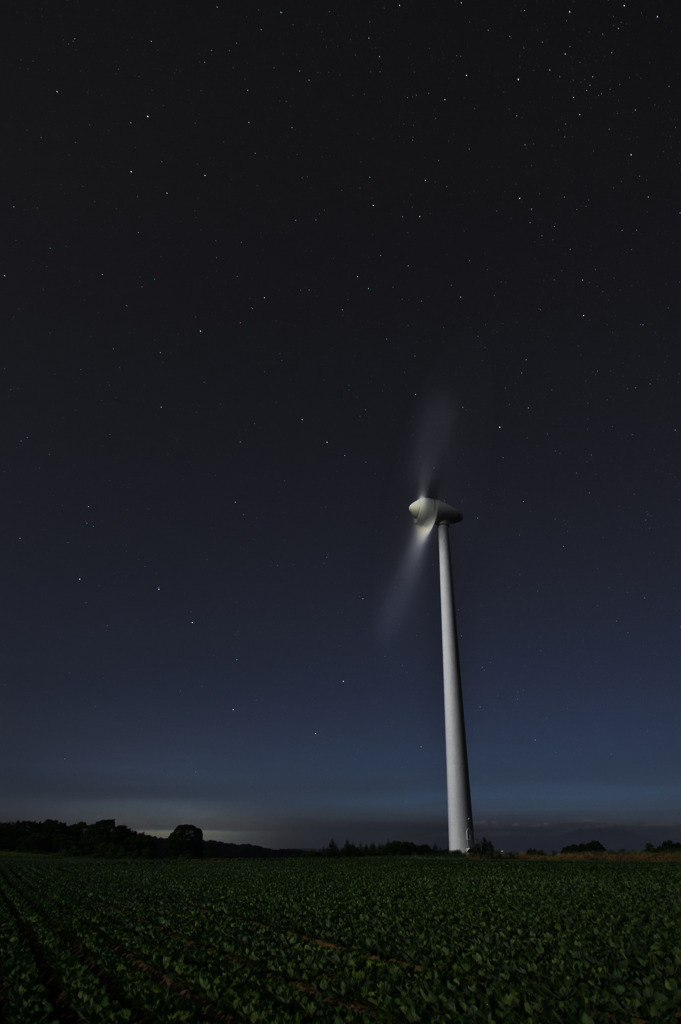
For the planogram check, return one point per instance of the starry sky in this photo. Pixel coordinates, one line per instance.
(267, 268)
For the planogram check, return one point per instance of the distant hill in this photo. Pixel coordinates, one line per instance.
(213, 848)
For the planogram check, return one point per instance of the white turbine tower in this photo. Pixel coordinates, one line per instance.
(429, 512)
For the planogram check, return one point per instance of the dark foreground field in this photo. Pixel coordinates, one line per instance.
(336, 940)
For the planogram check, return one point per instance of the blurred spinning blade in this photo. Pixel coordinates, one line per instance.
(431, 442)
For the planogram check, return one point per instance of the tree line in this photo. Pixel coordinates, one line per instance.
(107, 839)
(102, 839)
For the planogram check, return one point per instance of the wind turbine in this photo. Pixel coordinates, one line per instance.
(429, 512)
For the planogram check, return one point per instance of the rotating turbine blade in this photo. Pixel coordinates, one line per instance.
(430, 481)
(432, 441)
(427, 513)
(404, 583)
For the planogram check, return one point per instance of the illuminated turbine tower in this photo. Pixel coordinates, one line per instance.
(428, 512)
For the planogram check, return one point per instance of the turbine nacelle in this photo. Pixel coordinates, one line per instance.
(429, 512)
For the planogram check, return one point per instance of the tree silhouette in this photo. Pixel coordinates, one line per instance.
(184, 841)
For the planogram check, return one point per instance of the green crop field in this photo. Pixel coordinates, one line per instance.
(336, 939)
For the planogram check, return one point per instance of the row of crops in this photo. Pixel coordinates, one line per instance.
(331, 940)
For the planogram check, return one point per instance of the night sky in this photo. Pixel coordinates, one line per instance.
(264, 271)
